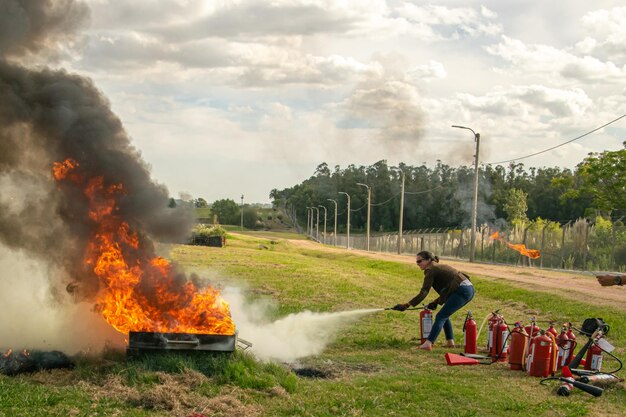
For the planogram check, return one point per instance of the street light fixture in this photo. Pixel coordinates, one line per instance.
(325, 214)
(369, 199)
(348, 228)
(335, 230)
(475, 203)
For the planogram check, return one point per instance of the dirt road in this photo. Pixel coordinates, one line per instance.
(572, 284)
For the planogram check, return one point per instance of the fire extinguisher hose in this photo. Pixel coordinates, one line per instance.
(480, 329)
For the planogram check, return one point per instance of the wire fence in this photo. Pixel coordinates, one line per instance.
(580, 245)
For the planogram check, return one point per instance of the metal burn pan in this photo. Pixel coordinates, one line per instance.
(186, 342)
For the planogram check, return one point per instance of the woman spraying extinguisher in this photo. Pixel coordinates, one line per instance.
(454, 288)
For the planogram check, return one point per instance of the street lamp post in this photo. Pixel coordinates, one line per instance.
(348, 224)
(475, 202)
(317, 224)
(241, 209)
(325, 214)
(369, 199)
(310, 221)
(335, 230)
(400, 223)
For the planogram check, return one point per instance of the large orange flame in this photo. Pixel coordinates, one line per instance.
(140, 291)
(521, 248)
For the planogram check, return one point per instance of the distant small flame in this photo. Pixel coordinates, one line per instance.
(520, 247)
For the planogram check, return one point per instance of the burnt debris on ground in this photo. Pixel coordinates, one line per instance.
(13, 363)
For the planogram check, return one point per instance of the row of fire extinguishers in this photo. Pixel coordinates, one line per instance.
(541, 353)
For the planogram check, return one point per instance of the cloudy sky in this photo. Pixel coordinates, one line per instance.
(225, 98)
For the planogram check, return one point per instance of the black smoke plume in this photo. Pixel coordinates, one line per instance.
(48, 116)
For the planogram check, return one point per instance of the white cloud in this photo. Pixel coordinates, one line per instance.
(548, 61)
(444, 22)
(535, 58)
(607, 27)
(428, 72)
(592, 69)
(279, 87)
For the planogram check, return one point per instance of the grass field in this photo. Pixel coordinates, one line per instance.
(369, 370)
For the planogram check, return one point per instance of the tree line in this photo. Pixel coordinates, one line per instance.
(223, 211)
(441, 196)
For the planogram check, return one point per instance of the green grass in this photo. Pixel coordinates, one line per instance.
(372, 370)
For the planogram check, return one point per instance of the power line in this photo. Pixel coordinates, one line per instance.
(385, 202)
(557, 146)
(423, 192)
(360, 208)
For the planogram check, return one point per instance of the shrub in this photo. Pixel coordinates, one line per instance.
(205, 235)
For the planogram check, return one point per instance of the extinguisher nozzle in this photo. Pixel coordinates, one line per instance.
(589, 389)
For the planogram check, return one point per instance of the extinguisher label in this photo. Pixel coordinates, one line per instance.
(531, 357)
(489, 334)
(505, 334)
(562, 357)
(596, 362)
(427, 325)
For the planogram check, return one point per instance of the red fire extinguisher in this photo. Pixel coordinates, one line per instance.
(552, 330)
(426, 324)
(564, 347)
(517, 351)
(532, 329)
(593, 361)
(553, 352)
(491, 324)
(499, 342)
(572, 343)
(538, 363)
(469, 332)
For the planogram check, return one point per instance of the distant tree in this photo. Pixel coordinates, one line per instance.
(250, 217)
(441, 196)
(172, 203)
(603, 177)
(200, 203)
(516, 206)
(227, 211)
(277, 198)
(322, 170)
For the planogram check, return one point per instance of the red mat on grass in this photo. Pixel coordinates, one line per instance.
(453, 359)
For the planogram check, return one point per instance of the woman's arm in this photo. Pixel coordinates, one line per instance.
(428, 283)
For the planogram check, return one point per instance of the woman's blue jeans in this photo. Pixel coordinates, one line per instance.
(454, 303)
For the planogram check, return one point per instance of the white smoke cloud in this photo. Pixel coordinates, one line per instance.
(34, 319)
(290, 338)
